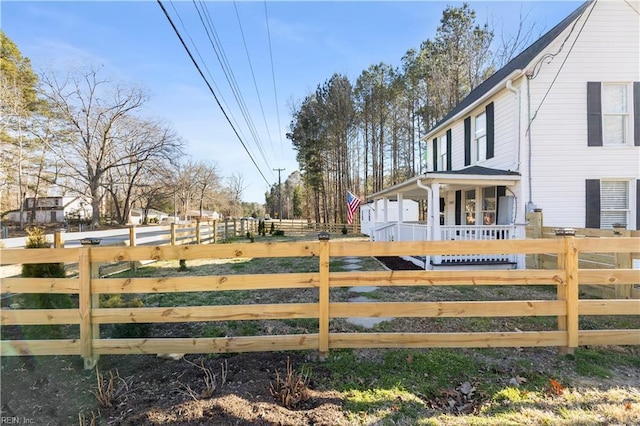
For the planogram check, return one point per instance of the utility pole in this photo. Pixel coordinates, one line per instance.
(279, 193)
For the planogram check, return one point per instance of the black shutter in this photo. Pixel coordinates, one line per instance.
(443, 207)
(467, 141)
(490, 132)
(592, 218)
(435, 154)
(638, 204)
(458, 207)
(449, 150)
(594, 113)
(636, 113)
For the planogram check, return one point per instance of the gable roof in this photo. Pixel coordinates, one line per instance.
(520, 62)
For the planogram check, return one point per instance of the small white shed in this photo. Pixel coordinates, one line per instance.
(373, 213)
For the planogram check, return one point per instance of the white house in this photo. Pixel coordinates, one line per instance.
(376, 213)
(53, 209)
(557, 128)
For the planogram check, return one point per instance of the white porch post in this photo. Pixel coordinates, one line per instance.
(479, 203)
(385, 205)
(400, 216)
(435, 209)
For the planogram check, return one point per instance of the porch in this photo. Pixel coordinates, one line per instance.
(473, 204)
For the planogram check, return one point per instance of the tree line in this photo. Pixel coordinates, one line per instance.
(365, 135)
(78, 131)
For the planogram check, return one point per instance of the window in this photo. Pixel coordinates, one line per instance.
(470, 207)
(615, 113)
(481, 137)
(489, 205)
(442, 153)
(614, 203)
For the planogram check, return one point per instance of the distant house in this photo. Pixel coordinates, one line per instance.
(52, 209)
(557, 129)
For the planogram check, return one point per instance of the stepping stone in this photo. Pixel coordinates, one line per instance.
(351, 267)
(363, 289)
(366, 322)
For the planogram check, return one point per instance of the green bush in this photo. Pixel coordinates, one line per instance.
(278, 233)
(35, 240)
(344, 230)
(273, 228)
(126, 330)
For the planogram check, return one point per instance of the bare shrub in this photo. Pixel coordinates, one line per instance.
(210, 380)
(109, 390)
(291, 390)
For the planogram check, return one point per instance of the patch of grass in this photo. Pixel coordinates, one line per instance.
(213, 331)
(244, 328)
(424, 372)
(597, 362)
(308, 325)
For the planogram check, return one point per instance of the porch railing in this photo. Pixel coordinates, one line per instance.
(420, 232)
(474, 233)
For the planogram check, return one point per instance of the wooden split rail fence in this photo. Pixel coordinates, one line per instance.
(90, 316)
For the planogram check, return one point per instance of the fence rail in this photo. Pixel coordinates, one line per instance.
(594, 259)
(90, 316)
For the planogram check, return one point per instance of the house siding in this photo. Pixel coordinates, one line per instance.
(607, 50)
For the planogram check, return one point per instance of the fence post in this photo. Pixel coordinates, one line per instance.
(173, 234)
(85, 302)
(572, 292)
(132, 243)
(235, 227)
(197, 231)
(323, 303)
(535, 219)
(57, 240)
(623, 261)
(226, 229)
(215, 231)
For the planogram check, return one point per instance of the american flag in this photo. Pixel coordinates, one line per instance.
(352, 206)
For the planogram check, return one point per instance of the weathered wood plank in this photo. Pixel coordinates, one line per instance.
(449, 309)
(218, 251)
(39, 347)
(323, 298)
(446, 340)
(608, 276)
(206, 345)
(84, 303)
(464, 278)
(205, 313)
(609, 337)
(572, 291)
(43, 255)
(39, 316)
(607, 245)
(446, 247)
(205, 283)
(39, 285)
(609, 307)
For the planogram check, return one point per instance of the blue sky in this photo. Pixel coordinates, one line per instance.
(310, 41)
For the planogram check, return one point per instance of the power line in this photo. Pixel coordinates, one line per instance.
(195, 63)
(273, 76)
(562, 64)
(207, 69)
(255, 84)
(216, 44)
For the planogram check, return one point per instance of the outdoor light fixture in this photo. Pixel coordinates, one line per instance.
(323, 236)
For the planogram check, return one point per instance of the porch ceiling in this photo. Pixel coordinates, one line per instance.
(456, 179)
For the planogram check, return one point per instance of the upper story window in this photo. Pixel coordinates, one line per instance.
(442, 152)
(615, 114)
(481, 137)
